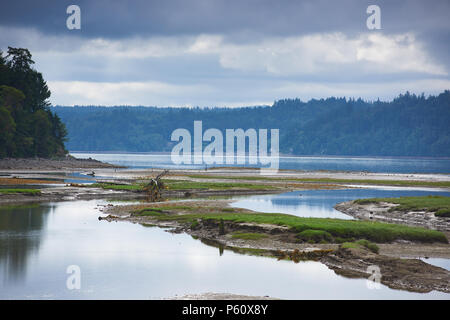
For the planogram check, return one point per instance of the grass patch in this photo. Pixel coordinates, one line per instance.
(248, 236)
(337, 228)
(361, 243)
(150, 212)
(112, 186)
(350, 245)
(186, 185)
(443, 184)
(443, 213)
(148, 225)
(194, 224)
(29, 192)
(175, 207)
(438, 204)
(315, 236)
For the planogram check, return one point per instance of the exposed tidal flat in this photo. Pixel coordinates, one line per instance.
(283, 223)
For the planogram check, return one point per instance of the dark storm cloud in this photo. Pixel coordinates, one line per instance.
(231, 52)
(116, 19)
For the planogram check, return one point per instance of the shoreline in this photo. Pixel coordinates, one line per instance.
(278, 241)
(68, 162)
(385, 212)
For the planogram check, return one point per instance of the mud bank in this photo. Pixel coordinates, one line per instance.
(404, 274)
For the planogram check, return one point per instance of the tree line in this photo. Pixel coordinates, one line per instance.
(409, 125)
(28, 128)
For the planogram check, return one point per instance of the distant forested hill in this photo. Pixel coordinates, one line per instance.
(409, 125)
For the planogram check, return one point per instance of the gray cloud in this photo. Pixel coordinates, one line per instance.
(117, 19)
(211, 52)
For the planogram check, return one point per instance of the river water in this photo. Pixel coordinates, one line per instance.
(320, 203)
(121, 260)
(370, 164)
(129, 261)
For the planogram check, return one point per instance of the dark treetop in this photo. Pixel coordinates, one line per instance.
(27, 126)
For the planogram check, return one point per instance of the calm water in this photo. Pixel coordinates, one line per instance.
(124, 260)
(320, 203)
(388, 165)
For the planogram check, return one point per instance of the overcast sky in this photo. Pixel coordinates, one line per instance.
(231, 52)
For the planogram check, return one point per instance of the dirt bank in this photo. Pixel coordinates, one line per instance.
(67, 193)
(404, 274)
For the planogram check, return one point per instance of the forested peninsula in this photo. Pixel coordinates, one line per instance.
(28, 128)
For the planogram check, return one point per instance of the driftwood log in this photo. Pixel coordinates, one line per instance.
(155, 186)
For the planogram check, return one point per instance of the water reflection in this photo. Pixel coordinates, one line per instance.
(128, 261)
(439, 262)
(21, 230)
(320, 203)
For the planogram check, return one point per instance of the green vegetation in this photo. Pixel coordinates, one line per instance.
(405, 183)
(443, 213)
(183, 185)
(361, 243)
(148, 225)
(339, 229)
(31, 192)
(194, 224)
(28, 127)
(438, 204)
(248, 236)
(409, 125)
(186, 185)
(152, 213)
(112, 186)
(315, 236)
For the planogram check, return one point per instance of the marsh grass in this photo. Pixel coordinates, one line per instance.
(315, 236)
(444, 184)
(361, 243)
(187, 184)
(112, 186)
(172, 184)
(31, 192)
(337, 228)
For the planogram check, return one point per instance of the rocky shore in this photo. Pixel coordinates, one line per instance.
(385, 212)
(67, 162)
